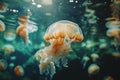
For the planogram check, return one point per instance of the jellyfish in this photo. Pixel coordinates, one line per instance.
(3, 64)
(94, 57)
(23, 19)
(115, 32)
(8, 49)
(85, 60)
(60, 35)
(19, 71)
(23, 33)
(2, 26)
(93, 69)
(10, 35)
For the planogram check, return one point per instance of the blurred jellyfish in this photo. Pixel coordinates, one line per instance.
(2, 26)
(94, 57)
(113, 24)
(23, 33)
(60, 35)
(31, 27)
(102, 43)
(85, 60)
(116, 55)
(22, 20)
(8, 49)
(11, 65)
(3, 7)
(115, 32)
(93, 69)
(108, 78)
(10, 35)
(3, 64)
(19, 71)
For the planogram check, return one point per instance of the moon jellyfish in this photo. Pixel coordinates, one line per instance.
(94, 57)
(3, 64)
(60, 35)
(19, 71)
(93, 69)
(2, 26)
(8, 49)
(10, 35)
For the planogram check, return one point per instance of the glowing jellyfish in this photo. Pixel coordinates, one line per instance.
(2, 26)
(115, 32)
(23, 33)
(108, 78)
(3, 64)
(94, 57)
(93, 69)
(10, 35)
(113, 24)
(19, 71)
(8, 49)
(23, 19)
(85, 60)
(60, 35)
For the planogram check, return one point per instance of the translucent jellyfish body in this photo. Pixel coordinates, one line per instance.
(23, 33)
(115, 32)
(19, 71)
(8, 49)
(3, 64)
(93, 69)
(3, 7)
(10, 35)
(113, 24)
(2, 26)
(60, 35)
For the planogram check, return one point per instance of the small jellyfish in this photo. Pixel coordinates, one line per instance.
(85, 60)
(94, 57)
(93, 69)
(19, 71)
(3, 64)
(2, 26)
(108, 78)
(114, 32)
(113, 24)
(23, 33)
(60, 35)
(10, 35)
(8, 49)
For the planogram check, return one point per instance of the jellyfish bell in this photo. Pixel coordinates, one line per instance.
(8, 49)
(117, 1)
(94, 57)
(93, 69)
(10, 35)
(19, 71)
(31, 27)
(114, 33)
(2, 26)
(3, 64)
(113, 24)
(64, 29)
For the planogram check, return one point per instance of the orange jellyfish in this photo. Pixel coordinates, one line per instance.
(19, 71)
(2, 26)
(23, 33)
(3, 64)
(114, 32)
(60, 35)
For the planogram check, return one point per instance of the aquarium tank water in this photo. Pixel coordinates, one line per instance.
(59, 39)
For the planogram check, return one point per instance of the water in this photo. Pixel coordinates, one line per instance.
(59, 40)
